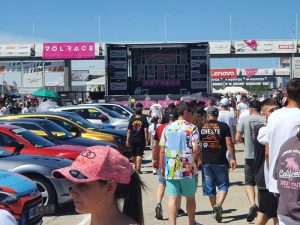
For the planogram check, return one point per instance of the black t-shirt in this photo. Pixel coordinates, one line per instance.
(259, 159)
(213, 140)
(137, 126)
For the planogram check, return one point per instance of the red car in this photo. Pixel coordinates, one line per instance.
(12, 136)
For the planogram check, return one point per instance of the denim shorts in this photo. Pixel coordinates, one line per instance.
(213, 176)
(161, 178)
(185, 187)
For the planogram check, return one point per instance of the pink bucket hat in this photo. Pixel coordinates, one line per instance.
(97, 163)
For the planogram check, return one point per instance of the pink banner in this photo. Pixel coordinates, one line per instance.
(251, 43)
(76, 50)
(251, 72)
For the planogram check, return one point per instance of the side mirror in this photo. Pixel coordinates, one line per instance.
(103, 117)
(75, 130)
(18, 148)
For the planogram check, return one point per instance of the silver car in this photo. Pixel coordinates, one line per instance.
(39, 169)
(97, 114)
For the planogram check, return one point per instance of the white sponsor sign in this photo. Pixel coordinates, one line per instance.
(254, 71)
(118, 53)
(219, 47)
(120, 86)
(197, 74)
(261, 47)
(284, 46)
(296, 67)
(199, 52)
(120, 74)
(119, 64)
(282, 71)
(199, 84)
(11, 50)
(197, 63)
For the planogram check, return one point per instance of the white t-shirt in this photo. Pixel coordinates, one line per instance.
(242, 107)
(238, 98)
(228, 118)
(244, 114)
(262, 138)
(156, 110)
(6, 218)
(282, 125)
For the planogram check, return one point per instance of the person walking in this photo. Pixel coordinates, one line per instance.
(100, 177)
(246, 128)
(156, 110)
(242, 107)
(137, 136)
(179, 147)
(216, 140)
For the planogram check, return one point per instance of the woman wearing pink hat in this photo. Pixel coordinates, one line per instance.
(101, 176)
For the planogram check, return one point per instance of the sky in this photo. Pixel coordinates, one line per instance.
(144, 20)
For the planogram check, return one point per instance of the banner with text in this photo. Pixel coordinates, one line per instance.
(15, 50)
(223, 73)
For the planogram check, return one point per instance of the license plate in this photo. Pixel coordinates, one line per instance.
(41, 210)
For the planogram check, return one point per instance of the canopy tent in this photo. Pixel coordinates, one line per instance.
(234, 90)
(96, 84)
(215, 91)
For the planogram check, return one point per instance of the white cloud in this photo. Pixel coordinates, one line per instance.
(8, 38)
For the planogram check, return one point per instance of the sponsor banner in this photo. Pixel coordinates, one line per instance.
(119, 64)
(199, 84)
(118, 86)
(197, 74)
(118, 53)
(38, 50)
(240, 81)
(284, 47)
(223, 73)
(32, 80)
(198, 52)
(252, 46)
(80, 75)
(282, 71)
(32, 67)
(219, 47)
(197, 63)
(254, 71)
(161, 83)
(120, 74)
(296, 67)
(12, 50)
(76, 50)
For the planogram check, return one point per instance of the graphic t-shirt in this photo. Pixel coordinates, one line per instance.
(156, 111)
(179, 138)
(213, 140)
(287, 174)
(137, 126)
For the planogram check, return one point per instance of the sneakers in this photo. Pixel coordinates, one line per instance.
(217, 213)
(180, 212)
(252, 213)
(158, 212)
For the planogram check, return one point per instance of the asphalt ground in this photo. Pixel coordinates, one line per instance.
(235, 208)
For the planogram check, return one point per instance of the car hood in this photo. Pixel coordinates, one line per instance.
(20, 184)
(86, 142)
(11, 162)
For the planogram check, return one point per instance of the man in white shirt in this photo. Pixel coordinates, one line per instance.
(282, 125)
(6, 218)
(238, 98)
(228, 117)
(156, 110)
(242, 106)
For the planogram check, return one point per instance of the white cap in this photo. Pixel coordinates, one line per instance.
(224, 102)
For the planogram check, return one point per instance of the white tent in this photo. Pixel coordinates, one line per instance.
(96, 84)
(215, 91)
(234, 90)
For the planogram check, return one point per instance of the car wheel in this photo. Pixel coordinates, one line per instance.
(46, 189)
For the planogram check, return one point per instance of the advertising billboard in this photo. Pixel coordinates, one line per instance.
(219, 47)
(223, 73)
(296, 67)
(15, 50)
(80, 75)
(253, 46)
(75, 50)
(284, 47)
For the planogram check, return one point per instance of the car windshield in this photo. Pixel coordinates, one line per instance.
(111, 113)
(4, 153)
(83, 122)
(128, 109)
(56, 130)
(32, 138)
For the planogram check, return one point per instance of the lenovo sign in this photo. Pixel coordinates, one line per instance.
(223, 73)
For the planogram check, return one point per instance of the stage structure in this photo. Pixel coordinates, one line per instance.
(157, 68)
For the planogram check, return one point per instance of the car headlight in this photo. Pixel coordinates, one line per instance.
(8, 198)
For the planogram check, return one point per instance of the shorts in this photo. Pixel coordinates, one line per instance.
(249, 172)
(161, 178)
(137, 148)
(185, 187)
(213, 176)
(267, 203)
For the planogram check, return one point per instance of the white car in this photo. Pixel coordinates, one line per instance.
(121, 109)
(97, 114)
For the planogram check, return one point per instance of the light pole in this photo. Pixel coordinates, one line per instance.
(166, 26)
(99, 28)
(33, 28)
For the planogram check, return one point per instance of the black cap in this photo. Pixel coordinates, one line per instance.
(139, 105)
(213, 111)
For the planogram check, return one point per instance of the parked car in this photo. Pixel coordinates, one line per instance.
(97, 114)
(21, 197)
(39, 169)
(121, 109)
(12, 136)
(55, 133)
(79, 126)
